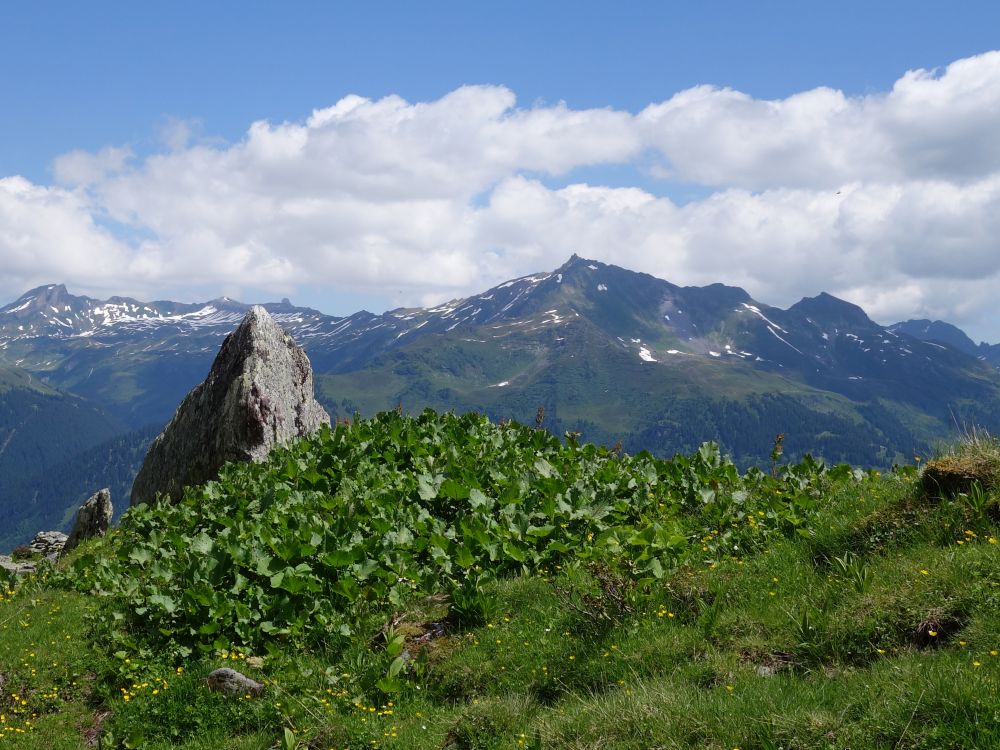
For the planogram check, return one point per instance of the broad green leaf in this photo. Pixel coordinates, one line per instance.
(165, 603)
(140, 555)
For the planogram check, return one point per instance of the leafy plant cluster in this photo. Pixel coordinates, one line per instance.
(369, 514)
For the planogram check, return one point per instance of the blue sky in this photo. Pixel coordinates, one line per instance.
(83, 75)
(143, 97)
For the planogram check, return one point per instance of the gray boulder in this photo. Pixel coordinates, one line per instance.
(93, 519)
(258, 394)
(18, 568)
(48, 544)
(231, 682)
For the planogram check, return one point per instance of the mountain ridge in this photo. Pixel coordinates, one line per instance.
(946, 333)
(50, 311)
(620, 356)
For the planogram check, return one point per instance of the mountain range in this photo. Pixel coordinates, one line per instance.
(617, 356)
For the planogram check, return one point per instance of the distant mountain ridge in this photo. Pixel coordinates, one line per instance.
(51, 314)
(616, 355)
(946, 333)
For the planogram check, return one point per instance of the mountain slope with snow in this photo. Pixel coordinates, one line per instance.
(616, 353)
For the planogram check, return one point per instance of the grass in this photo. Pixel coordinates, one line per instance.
(878, 628)
(972, 465)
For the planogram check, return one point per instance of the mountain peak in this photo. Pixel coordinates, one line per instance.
(937, 330)
(41, 298)
(830, 309)
(575, 261)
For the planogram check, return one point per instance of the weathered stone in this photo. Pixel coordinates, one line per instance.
(45, 546)
(258, 394)
(48, 544)
(231, 682)
(19, 568)
(93, 519)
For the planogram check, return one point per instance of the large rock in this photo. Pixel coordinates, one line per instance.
(93, 519)
(258, 394)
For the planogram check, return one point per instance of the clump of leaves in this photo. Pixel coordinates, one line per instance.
(363, 517)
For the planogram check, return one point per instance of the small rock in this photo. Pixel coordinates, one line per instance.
(45, 546)
(48, 544)
(18, 568)
(93, 519)
(231, 682)
(765, 671)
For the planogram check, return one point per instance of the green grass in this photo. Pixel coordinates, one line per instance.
(876, 624)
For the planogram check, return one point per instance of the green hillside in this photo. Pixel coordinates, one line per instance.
(587, 383)
(446, 582)
(41, 429)
(58, 489)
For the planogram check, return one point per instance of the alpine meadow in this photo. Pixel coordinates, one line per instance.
(449, 376)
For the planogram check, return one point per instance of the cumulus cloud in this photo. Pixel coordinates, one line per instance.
(889, 199)
(48, 233)
(931, 125)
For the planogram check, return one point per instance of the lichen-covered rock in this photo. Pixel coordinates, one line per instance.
(93, 519)
(231, 682)
(258, 394)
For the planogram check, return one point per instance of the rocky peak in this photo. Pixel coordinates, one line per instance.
(825, 308)
(258, 394)
(42, 298)
(938, 330)
(93, 519)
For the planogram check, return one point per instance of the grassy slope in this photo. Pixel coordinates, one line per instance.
(782, 648)
(14, 377)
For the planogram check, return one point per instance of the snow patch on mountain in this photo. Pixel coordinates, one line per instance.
(783, 340)
(756, 311)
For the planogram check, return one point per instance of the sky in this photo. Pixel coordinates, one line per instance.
(385, 154)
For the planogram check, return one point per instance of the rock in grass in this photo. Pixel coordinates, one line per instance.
(48, 544)
(258, 394)
(231, 682)
(25, 559)
(93, 519)
(18, 568)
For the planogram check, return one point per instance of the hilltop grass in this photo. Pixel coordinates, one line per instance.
(873, 621)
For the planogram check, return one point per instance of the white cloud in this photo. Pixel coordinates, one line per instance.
(84, 168)
(48, 233)
(891, 199)
(931, 125)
